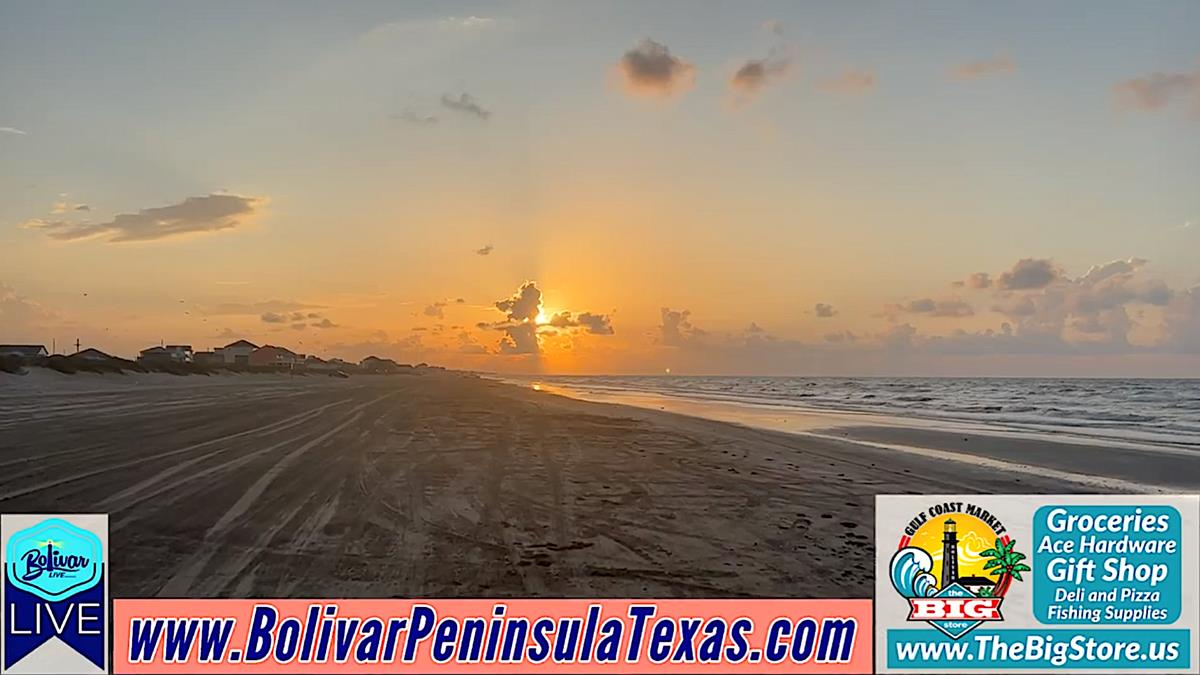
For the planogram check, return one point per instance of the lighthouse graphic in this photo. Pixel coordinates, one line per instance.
(949, 553)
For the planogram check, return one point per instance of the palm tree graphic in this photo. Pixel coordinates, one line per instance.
(1005, 563)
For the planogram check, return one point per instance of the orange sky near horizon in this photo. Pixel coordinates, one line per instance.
(1014, 199)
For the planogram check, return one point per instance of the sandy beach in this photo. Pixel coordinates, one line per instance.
(447, 485)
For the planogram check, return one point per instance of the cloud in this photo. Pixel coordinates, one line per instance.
(524, 305)
(851, 81)
(1157, 90)
(649, 69)
(1182, 325)
(975, 70)
(299, 326)
(978, 281)
(65, 206)
(520, 339)
(1029, 273)
(272, 317)
(214, 213)
(13, 131)
(324, 323)
(676, 329)
(1053, 311)
(596, 324)
(486, 250)
(824, 311)
(414, 118)
(755, 74)
(952, 307)
(522, 326)
(435, 309)
(465, 103)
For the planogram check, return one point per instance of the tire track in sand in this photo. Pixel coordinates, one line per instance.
(182, 581)
(274, 426)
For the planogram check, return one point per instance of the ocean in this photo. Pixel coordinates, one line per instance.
(1158, 412)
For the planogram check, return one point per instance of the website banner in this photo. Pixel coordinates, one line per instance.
(1037, 583)
(492, 636)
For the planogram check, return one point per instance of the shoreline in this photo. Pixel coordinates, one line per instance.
(1114, 464)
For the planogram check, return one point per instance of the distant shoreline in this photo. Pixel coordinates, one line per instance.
(1104, 463)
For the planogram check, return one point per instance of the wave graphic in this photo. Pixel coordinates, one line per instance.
(910, 573)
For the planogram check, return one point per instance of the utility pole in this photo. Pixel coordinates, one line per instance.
(76, 345)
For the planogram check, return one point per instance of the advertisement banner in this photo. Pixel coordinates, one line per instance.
(492, 636)
(1037, 583)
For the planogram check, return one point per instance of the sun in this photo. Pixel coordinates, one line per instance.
(541, 319)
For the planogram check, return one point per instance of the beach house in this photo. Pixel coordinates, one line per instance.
(24, 351)
(270, 355)
(91, 354)
(237, 353)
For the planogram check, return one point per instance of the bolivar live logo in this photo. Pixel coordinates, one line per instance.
(55, 594)
(945, 566)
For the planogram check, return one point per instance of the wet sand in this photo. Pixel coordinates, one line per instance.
(445, 485)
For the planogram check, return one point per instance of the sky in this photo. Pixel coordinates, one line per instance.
(818, 188)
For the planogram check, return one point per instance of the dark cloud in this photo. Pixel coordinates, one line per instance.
(272, 317)
(520, 339)
(1029, 273)
(524, 305)
(324, 323)
(596, 324)
(676, 329)
(213, 213)
(975, 70)
(465, 103)
(486, 250)
(1157, 90)
(755, 74)
(651, 69)
(435, 310)
(824, 311)
(299, 326)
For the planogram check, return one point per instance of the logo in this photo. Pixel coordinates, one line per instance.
(954, 565)
(55, 594)
(54, 559)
